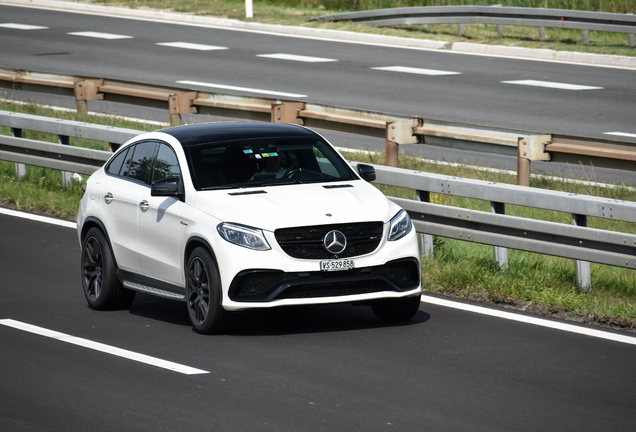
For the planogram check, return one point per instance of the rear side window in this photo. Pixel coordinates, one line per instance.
(141, 162)
(114, 167)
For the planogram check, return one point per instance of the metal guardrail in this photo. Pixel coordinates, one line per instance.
(516, 16)
(527, 146)
(496, 228)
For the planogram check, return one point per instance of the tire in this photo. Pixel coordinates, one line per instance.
(203, 294)
(99, 279)
(392, 310)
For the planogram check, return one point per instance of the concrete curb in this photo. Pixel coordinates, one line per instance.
(459, 47)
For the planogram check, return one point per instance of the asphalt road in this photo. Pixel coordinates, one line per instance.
(478, 90)
(329, 368)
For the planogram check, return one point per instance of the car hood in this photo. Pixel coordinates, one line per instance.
(274, 207)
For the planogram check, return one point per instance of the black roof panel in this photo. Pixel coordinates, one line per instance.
(230, 131)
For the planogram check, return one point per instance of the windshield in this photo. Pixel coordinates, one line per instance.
(265, 162)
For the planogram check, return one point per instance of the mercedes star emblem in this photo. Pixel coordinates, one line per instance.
(335, 242)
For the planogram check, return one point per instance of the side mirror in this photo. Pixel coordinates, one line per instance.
(168, 187)
(367, 172)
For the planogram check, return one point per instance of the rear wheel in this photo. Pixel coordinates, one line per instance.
(203, 294)
(402, 309)
(99, 280)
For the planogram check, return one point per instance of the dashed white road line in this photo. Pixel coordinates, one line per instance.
(298, 58)
(245, 89)
(22, 26)
(192, 46)
(530, 320)
(549, 84)
(86, 343)
(417, 71)
(624, 134)
(99, 35)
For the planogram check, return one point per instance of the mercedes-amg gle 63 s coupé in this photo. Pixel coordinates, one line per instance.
(234, 216)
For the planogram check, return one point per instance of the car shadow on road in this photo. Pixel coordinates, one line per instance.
(312, 319)
(275, 321)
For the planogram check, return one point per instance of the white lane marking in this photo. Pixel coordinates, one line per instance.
(192, 46)
(100, 35)
(549, 84)
(417, 71)
(625, 134)
(530, 320)
(299, 58)
(245, 89)
(131, 355)
(38, 218)
(22, 26)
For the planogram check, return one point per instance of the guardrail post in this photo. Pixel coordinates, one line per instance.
(20, 169)
(630, 40)
(500, 254)
(396, 133)
(523, 163)
(583, 275)
(287, 112)
(84, 91)
(426, 240)
(461, 29)
(542, 33)
(67, 177)
(179, 104)
(500, 31)
(585, 36)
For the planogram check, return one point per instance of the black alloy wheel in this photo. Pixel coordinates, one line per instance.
(203, 294)
(99, 280)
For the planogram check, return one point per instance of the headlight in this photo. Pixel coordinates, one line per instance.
(400, 226)
(251, 238)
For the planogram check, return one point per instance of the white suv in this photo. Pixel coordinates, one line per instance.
(233, 216)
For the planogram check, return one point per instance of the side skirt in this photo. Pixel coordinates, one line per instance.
(150, 286)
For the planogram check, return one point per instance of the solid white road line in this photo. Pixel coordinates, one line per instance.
(192, 46)
(22, 26)
(556, 85)
(417, 71)
(625, 134)
(530, 320)
(245, 89)
(100, 35)
(299, 58)
(38, 218)
(131, 355)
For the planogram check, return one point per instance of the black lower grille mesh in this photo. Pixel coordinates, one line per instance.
(265, 285)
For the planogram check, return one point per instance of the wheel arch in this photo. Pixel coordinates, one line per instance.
(192, 244)
(93, 222)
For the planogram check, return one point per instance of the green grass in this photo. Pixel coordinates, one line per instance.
(298, 12)
(532, 282)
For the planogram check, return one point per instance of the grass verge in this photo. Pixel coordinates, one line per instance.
(535, 283)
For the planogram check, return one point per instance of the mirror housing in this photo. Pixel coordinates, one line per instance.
(367, 172)
(168, 187)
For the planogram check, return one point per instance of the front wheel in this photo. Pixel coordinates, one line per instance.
(203, 294)
(402, 309)
(99, 280)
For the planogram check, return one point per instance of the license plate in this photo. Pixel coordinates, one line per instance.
(337, 265)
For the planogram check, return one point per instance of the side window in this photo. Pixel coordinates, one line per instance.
(114, 167)
(166, 165)
(141, 162)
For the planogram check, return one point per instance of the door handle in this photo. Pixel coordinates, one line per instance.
(144, 205)
(108, 198)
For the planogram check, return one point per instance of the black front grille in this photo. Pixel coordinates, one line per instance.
(267, 285)
(307, 242)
